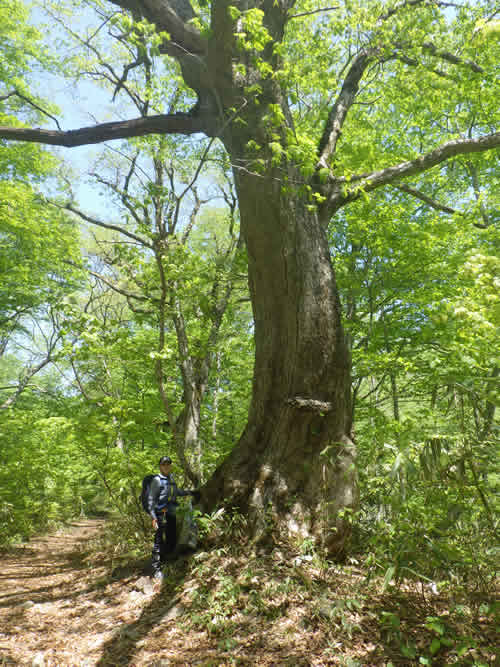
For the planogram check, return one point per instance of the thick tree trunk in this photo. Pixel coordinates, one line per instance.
(293, 468)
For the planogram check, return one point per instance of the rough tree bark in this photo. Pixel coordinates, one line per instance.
(293, 469)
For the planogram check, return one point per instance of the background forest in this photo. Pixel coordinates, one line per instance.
(126, 329)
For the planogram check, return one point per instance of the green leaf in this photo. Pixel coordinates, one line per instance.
(435, 646)
(389, 575)
(409, 650)
(434, 623)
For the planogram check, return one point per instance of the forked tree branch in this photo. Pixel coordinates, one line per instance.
(24, 381)
(31, 370)
(338, 114)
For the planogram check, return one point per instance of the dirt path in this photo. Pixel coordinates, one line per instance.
(56, 609)
(49, 599)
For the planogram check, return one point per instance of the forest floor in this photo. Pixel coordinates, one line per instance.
(64, 602)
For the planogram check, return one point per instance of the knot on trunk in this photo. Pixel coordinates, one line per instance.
(310, 404)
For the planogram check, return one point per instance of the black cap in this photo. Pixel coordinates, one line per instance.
(165, 460)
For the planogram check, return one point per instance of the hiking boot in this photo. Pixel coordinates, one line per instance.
(158, 576)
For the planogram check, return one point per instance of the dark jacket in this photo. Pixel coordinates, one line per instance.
(163, 494)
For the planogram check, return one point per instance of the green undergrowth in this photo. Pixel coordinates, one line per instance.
(237, 597)
(343, 616)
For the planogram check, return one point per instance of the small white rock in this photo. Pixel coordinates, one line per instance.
(27, 605)
(174, 612)
(38, 660)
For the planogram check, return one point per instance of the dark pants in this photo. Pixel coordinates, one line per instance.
(165, 540)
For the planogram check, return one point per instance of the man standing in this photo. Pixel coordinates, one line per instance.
(162, 505)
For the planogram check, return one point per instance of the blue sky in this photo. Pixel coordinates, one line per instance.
(81, 104)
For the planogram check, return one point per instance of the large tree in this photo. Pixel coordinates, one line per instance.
(316, 106)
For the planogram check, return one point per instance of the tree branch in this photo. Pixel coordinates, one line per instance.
(343, 190)
(80, 385)
(400, 54)
(170, 16)
(403, 4)
(313, 11)
(23, 383)
(178, 123)
(479, 199)
(118, 290)
(451, 58)
(428, 200)
(16, 93)
(117, 81)
(105, 225)
(125, 199)
(347, 95)
(31, 371)
(415, 63)
(343, 103)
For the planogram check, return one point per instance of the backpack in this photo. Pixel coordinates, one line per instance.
(143, 497)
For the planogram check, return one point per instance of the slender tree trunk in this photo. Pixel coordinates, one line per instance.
(24, 382)
(216, 395)
(489, 412)
(188, 445)
(393, 380)
(395, 397)
(292, 469)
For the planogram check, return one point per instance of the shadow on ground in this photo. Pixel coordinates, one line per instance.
(122, 647)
